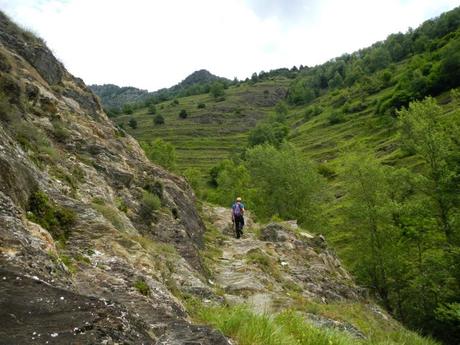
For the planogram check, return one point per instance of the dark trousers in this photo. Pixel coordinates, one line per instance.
(239, 223)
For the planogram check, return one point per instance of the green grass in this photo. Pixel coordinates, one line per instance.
(289, 328)
(209, 134)
(142, 287)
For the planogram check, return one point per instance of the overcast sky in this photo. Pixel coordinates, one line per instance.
(152, 44)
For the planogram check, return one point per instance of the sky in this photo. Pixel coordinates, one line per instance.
(151, 44)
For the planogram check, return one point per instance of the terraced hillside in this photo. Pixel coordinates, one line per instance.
(209, 134)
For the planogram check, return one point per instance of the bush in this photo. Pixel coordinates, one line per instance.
(150, 203)
(142, 287)
(183, 114)
(161, 152)
(152, 109)
(155, 187)
(326, 171)
(132, 123)
(201, 105)
(217, 90)
(57, 220)
(128, 109)
(159, 119)
(60, 132)
(335, 118)
(312, 111)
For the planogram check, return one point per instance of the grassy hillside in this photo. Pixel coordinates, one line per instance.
(209, 134)
(398, 230)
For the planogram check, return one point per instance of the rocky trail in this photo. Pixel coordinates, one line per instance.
(274, 265)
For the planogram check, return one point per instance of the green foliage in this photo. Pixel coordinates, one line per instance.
(287, 328)
(57, 220)
(152, 109)
(161, 152)
(149, 204)
(194, 178)
(183, 114)
(60, 132)
(268, 133)
(217, 89)
(281, 111)
(159, 119)
(312, 111)
(336, 117)
(132, 123)
(155, 187)
(404, 223)
(141, 286)
(232, 180)
(425, 134)
(128, 109)
(284, 183)
(201, 105)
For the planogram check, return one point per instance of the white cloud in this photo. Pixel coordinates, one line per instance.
(154, 44)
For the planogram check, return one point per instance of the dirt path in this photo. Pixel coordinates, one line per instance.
(241, 279)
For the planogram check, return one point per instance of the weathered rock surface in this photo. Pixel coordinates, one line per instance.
(55, 138)
(269, 272)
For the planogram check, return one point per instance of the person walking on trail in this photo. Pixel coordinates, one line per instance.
(238, 217)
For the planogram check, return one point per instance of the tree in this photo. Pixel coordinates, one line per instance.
(132, 123)
(283, 183)
(368, 214)
(128, 109)
(423, 133)
(217, 89)
(159, 119)
(281, 111)
(183, 114)
(152, 109)
(161, 152)
(232, 180)
(268, 133)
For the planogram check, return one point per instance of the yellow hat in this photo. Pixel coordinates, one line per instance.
(238, 199)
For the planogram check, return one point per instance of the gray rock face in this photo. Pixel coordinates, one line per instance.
(264, 272)
(34, 312)
(56, 139)
(274, 233)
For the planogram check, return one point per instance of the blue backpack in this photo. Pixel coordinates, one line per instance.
(237, 210)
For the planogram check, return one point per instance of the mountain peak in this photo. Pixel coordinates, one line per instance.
(201, 76)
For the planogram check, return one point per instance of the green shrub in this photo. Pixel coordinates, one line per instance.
(150, 203)
(57, 220)
(142, 287)
(152, 109)
(159, 119)
(183, 114)
(336, 118)
(29, 136)
(132, 123)
(201, 105)
(326, 171)
(312, 111)
(60, 132)
(155, 187)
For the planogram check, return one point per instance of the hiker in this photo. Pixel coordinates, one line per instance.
(237, 217)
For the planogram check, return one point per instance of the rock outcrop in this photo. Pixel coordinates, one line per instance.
(91, 232)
